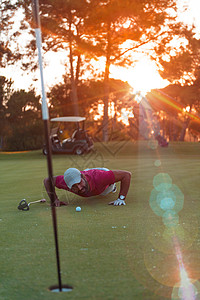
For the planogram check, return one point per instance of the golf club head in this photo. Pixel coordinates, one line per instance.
(23, 205)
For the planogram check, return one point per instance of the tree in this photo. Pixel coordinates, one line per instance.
(5, 52)
(91, 95)
(5, 92)
(188, 97)
(167, 110)
(60, 99)
(177, 107)
(183, 67)
(63, 30)
(183, 72)
(99, 28)
(142, 23)
(24, 123)
(9, 38)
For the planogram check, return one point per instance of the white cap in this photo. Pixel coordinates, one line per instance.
(72, 176)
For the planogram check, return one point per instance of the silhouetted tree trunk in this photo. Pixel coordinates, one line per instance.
(183, 130)
(73, 82)
(106, 87)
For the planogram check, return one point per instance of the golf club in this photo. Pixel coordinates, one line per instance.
(23, 205)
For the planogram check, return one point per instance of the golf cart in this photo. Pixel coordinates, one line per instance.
(78, 143)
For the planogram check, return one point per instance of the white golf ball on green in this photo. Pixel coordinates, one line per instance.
(78, 208)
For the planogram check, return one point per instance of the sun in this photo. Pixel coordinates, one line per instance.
(143, 77)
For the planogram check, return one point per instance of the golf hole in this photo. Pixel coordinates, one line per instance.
(56, 288)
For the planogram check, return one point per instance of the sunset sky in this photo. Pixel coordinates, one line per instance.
(142, 77)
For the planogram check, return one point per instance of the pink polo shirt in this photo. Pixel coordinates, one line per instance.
(98, 181)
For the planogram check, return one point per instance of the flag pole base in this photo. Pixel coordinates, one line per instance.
(64, 288)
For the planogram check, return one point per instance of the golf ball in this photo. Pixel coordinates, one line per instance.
(78, 208)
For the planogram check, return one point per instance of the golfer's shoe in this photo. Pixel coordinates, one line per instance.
(114, 188)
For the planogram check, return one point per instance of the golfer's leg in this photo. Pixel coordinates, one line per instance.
(103, 169)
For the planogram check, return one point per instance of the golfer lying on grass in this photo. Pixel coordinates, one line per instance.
(91, 182)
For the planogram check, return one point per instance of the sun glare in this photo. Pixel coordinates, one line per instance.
(143, 77)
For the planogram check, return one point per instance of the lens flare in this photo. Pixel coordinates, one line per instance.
(162, 181)
(170, 218)
(187, 290)
(166, 200)
(152, 144)
(157, 163)
(165, 196)
(163, 256)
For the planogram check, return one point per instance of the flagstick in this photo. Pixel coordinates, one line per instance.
(45, 117)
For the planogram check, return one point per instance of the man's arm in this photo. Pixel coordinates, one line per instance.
(125, 178)
(47, 187)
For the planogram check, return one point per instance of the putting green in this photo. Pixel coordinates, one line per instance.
(106, 252)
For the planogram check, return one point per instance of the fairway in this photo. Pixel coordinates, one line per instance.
(106, 252)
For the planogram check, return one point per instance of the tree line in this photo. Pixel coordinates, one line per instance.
(114, 30)
(21, 117)
(21, 125)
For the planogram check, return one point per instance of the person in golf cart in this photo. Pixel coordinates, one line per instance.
(78, 143)
(92, 182)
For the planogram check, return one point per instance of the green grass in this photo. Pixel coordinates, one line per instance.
(106, 252)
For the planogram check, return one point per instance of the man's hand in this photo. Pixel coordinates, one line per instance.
(59, 203)
(117, 202)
